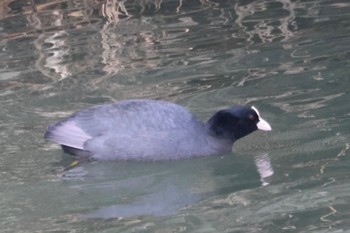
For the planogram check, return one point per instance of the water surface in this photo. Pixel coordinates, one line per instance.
(289, 58)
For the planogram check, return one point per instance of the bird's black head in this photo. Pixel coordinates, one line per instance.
(236, 122)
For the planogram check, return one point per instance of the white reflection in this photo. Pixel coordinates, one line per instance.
(289, 20)
(113, 10)
(264, 167)
(111, 45)
(52, 59)
(264, 28)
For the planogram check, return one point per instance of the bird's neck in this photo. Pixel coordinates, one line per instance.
(223, 127)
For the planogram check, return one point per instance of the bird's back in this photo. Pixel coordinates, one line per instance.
(132, 129)
(134, 116)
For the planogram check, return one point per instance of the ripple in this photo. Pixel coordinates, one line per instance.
(288, 58)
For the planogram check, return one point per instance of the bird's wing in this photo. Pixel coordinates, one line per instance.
(122, 118)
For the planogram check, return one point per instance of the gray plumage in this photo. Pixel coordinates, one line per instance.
(138, 130)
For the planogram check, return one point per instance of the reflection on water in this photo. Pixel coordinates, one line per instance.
(264, 167)
(118, 38)
(290, 58)
(165, 192)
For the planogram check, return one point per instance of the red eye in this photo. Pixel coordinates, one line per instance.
(251, 117)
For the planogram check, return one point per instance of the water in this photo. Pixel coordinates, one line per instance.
(289, 58)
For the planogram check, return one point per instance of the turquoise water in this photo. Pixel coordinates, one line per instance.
(288, 58)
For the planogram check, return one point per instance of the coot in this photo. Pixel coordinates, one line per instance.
(152, 130)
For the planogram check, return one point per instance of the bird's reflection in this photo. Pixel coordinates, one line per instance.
(167, 201)
(163, 188)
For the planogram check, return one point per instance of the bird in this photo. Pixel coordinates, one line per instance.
(153, 130)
